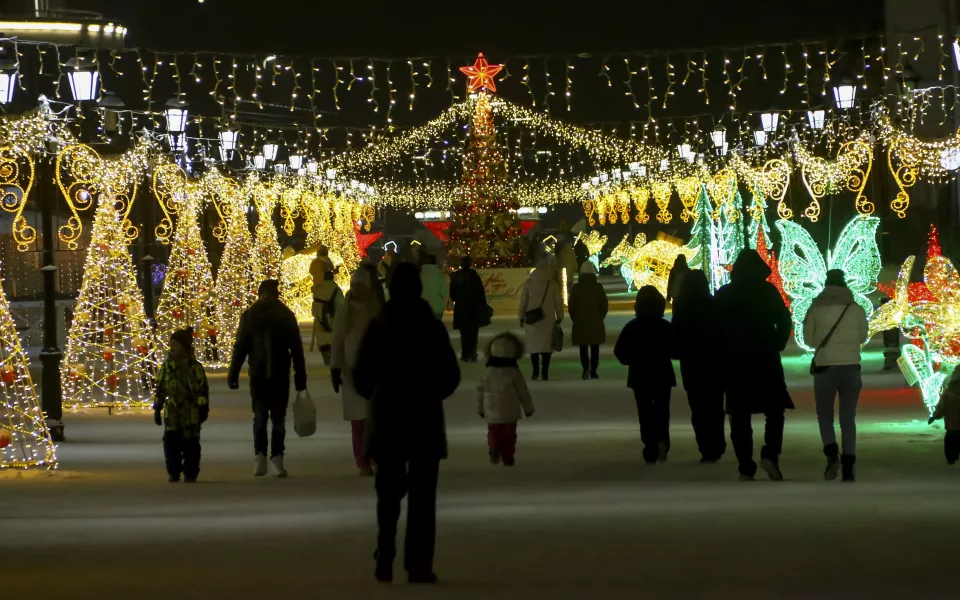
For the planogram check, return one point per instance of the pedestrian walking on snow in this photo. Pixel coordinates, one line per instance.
(269, 336)
(327, 300)
(360, 308)
(836, 326)
(588, 308)
(407, 436)
(755, 326)
(502, 397)
(435, 289)
(698, 341)
(470, 310)
(541, 310)
(181, 405)
(948, 409)
(646, 346)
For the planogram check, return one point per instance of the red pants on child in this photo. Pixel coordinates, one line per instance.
(359, 444)
(502, 439)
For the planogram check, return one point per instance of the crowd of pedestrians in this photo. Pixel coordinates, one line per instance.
(728, 344)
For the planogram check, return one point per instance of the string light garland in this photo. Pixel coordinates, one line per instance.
(653, 262)
(804, 270)
(110, 358)
(16, 180)
(24, 437)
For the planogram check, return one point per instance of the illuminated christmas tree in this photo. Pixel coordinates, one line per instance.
(239, 274)
(483, 226)
(110, 357)
(267, 246)
(24, 437)
(188, 298)
(758, 221)
(730, 237)
(702, 238)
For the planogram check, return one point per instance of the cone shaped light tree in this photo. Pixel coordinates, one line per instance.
(188, 299)
(267, 245)
(240, 273)
(24, 437)
(110, 357)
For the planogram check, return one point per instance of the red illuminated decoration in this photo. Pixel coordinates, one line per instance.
(770, 257)
(481, 75)
(439, 229)
(918, 291)
(364, 240)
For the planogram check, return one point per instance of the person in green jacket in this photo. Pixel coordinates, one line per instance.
(181, 404)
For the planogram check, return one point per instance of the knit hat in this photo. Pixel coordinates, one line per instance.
(588, 268)
(184, 337)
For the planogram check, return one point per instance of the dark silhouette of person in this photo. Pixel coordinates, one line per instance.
(405, 368)
(698, 344)
(470, 311)
(755, 326)
(269, 336)
(675, 279)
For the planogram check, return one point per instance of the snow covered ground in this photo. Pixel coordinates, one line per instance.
(580, 516)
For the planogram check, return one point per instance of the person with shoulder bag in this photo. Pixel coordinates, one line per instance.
(541, 310)
(837, 327)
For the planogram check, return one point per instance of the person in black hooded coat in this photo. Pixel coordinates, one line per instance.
(697, 329)
(755, 326)
(405, 368)
(645, 345)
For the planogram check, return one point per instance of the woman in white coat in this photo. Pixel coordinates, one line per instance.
(360, 308)
(541, 297)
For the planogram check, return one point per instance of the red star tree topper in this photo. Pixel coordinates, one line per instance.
(483, 225)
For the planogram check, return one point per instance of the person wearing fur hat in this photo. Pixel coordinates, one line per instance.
(588, 308)
(501, 396)
(181, 404)
(360, 308)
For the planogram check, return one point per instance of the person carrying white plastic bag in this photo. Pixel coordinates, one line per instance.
(304, 415)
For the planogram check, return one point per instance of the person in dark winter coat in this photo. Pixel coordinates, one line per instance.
(755, 326)
(948, 409)
(378, 288)
(270, 336)
(646, 346)
(470, 310)
(582, 253)
(181, 404)
(697, 330)
(675, 279)
(588, 307)
(407, 436)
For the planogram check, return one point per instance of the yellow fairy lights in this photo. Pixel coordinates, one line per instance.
(170, 189)
(653, 262)
(850, 171)
(24, 437)
(16, 181)
(296, 283)
(110, 358)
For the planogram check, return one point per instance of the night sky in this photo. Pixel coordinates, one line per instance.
(414, 28)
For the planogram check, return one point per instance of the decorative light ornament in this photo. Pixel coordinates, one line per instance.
(481, 75)
(175, 112)
(228, 143)
(816, 118)
(950, 159)
(844, 95)
(769, 121)
(8, 81)
(760, 137)
(270, 152)
(84, 79)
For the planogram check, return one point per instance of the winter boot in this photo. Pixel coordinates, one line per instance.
(848, 461)
(772, 469)
(832, 452)
(546, 367)
(586, 375)
(427, 578)
(260, 465)
(384, 571)
(535, 359)
(276, 467)
(494, 456)
(593, 375)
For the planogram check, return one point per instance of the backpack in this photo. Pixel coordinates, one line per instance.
(328, 311)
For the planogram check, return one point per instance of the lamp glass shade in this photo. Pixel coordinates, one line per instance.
(228, 140)
(719, 137)
(760, 137)
(295, 161)
(270, 151)
(176, 119)
(816, 118)
(259, 162)
(8, 83)
(83, 84)
(769, 121)
(312, 167)
(844, 95)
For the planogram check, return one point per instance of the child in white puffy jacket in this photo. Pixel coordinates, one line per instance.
(501, 396)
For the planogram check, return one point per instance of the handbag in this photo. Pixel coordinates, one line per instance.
(304, 415)
(557, 342)
(814, 369)
(536, 315)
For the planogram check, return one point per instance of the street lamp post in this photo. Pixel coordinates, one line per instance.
(51, 391)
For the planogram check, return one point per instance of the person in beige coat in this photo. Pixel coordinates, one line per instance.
(836, 368)
(541, 291)
(503, 397)
(359, 309)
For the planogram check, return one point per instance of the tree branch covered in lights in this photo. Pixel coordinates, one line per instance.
(110, 356)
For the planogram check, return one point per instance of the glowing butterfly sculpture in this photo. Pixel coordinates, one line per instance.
(928, 316)
(594, 243)
(804, 270)
(624, 254)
